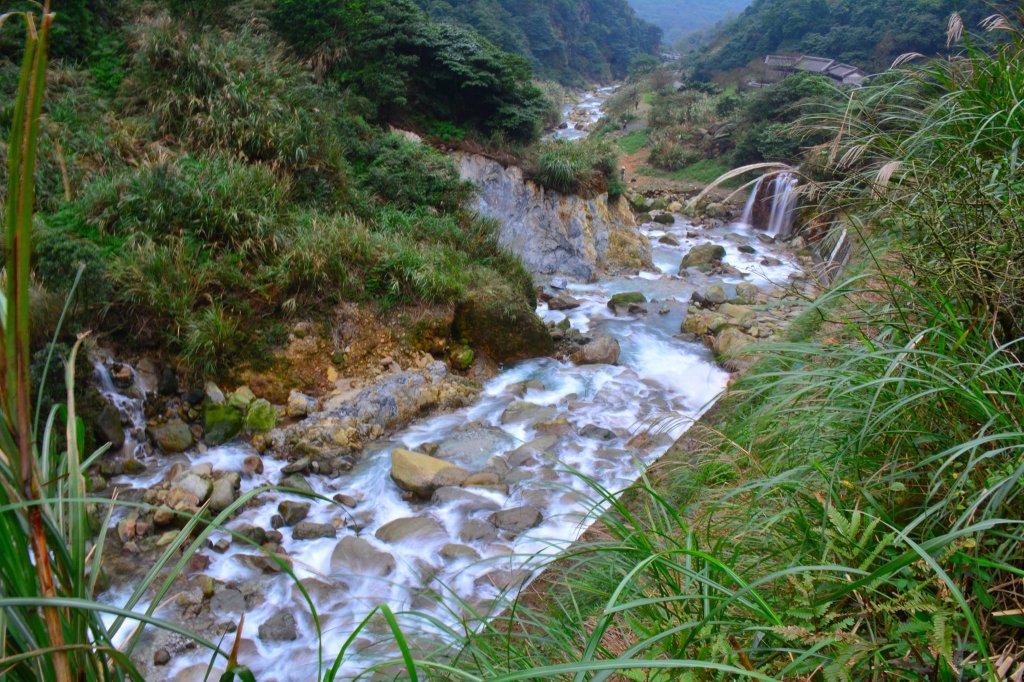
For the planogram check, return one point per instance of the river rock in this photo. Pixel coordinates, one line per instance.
(563, 302)
(296, 482)
(224, 493)
(623, 300)
(716, 210)
(503, 580)
(221, 422)
(731, 341)
(261, 417)
(474, 443)
(702, 255)
(464, 499)
(280, 627)
(421, 474)
(418, 528)
(476, 530)
(301, 405)
(521, 412)
(665, 219)
(307, 530)
(746, 294)
(241, 398)
(227, 600)
(604, 350)
(293, 512)
(110, 428)
(194, 485)
(669, 240)
(213, 393)
(597, 432)
(516, 520)
(738, 313)
(454, 552)
(358, 556)
(715, 295)
(171, 438)
(554, 233)
(502, 323)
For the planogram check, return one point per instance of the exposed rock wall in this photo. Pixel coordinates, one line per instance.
(556, 234)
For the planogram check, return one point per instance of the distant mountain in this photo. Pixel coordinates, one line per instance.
(678, 18)
(572, 41)
(866, 33)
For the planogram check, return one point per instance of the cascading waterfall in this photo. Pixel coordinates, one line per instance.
(784, 203)
(128, 405)
(748, 210)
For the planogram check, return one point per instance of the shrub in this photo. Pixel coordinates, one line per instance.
(223, 203)
(410, 174)
(58, 255)
(585, 167)
(673, 155)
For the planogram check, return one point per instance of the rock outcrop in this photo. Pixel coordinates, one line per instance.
(555, 233)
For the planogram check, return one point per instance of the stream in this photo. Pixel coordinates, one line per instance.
(541, 423)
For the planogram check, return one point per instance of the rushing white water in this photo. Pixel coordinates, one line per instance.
(784, 204)
(581, 116)
(594, 421)
(128, 400)
(748, 210)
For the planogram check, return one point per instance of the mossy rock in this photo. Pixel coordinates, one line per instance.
(659, 205)
(501, 322)
(703, 255)
(625, 298)
(222, 423)
(644, 218)
(462, 358)
(665, 219)
(261, 417)
(639, 202)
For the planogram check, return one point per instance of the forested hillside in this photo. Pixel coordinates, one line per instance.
(680, 17)
(867, 33)
(573, 41)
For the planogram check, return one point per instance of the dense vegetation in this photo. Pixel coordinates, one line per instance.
(206, 176)
(574, 41)
(867, 33)
(678, 19)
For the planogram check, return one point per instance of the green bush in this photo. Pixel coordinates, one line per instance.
(410, 174)
(673, 156)
(584, 167)
(223, 203)
(58, 255)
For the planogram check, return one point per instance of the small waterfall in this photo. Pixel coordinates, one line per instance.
(748, 210)
(784, 204)
(126, 395)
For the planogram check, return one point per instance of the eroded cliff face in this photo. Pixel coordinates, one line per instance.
(556, 234)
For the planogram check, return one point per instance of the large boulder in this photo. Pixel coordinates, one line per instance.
(221, 422)
(358, 556)
(702, 255)
(624, 300)
(501, 322)
(604, 350)
(171, 438)
(421, 474)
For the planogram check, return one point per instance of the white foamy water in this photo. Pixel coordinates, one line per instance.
(581, 116)
(601, 421)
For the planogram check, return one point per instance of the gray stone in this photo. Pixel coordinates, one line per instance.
(171, 438)
(563, 302)
(473, 444)
(280, 627)
(301, 405)
(227, 600)
(475, 530)
(464, 499)
(293, 512)
(597, 432)
(715, 295)
(524, 412)
(604, 350)
(358, 556)
(421, 474)
(454, 552)
(307, 530)
(411, 528)
(194, 485)
(110, 428)
(296, 482)
(223, 495)
(517, 519)
(503, 580)
(213, 393)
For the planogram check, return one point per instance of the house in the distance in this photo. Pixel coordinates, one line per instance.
(778, 66)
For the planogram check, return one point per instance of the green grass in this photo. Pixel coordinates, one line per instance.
(704, 171)
(633, 142)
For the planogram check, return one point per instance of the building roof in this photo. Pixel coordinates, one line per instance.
(844, 70)
(780, 60)
(814, 64)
